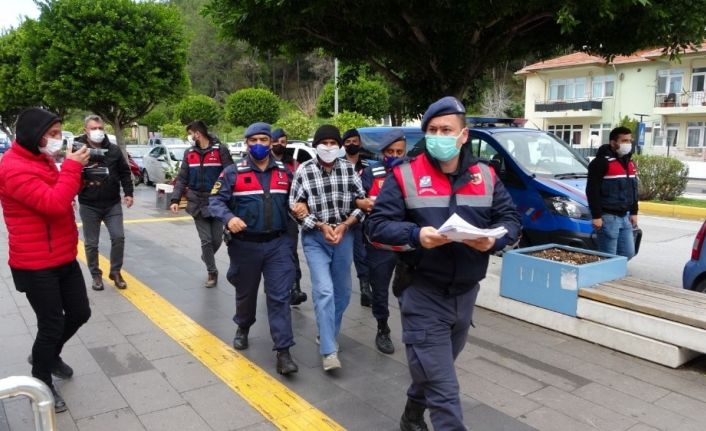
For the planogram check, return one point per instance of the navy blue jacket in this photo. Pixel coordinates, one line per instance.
(453, 268)
(259, 198)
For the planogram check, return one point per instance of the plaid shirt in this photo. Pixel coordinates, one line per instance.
(330, 196)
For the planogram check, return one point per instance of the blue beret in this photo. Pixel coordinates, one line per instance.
(349, 134)
(258, 129)
(391, 137)
(278, 133)
(445, 106)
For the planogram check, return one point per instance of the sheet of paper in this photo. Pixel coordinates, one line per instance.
(457, 229)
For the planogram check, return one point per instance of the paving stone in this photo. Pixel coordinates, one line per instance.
(122, 420)
(216, 404)
(15, 349)
(516, 382)
(483, 417)
(642, 427)
(155, 345)
(147, 391)
(262, 426)
(100, 334)
(120, 359)
(388, 396)
(621, 382)
(19, 415)
(184, 372)
(90, 394)
(12, 324)
(182, 418)
(80, 359)
(353, 414)
(685, 406)
(631, 406)
(495, 396)
(131, 322)
(547, 419)
(582, 410)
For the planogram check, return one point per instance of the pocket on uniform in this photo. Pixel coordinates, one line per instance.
(414, 336)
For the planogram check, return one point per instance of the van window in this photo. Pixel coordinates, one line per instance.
(542, 153)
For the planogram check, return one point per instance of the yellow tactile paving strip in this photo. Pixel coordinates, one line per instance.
(281, 406)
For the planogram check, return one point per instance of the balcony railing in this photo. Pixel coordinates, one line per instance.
(555, 105)
(685, 99)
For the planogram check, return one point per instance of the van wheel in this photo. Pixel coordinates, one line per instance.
(700, 286)
(524, 242)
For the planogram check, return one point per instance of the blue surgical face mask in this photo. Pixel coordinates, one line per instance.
(442, 148)
(259, 151)
(389, 161)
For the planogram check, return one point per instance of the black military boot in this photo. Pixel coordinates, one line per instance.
(413, 417)
(296, 296)
(366, 294)
(240, 342)
(59, 403)
(285, 363)
(382, 339)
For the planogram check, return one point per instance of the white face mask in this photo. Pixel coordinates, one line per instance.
(96, 136)
(327, 154)
(53, 146)
(624, 149)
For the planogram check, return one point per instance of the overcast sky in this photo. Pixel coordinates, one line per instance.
(11, 10)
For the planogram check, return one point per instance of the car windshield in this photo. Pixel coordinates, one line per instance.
(138, 150)
(542, 154)
(177, 153)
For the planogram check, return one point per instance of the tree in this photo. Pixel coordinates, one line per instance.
(351, 120)
(251, 105)
(17, 89)
(117, 58)
(297, 125)
(364, 96)
(198, 107)
(436, 48)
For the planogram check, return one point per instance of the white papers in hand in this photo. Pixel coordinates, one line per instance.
(458, 229)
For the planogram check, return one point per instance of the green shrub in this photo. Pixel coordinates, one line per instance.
(368, 97)
(350, 120)
(198, 107)
(660, 177)
(251, 105)
(176, 130)
(154, 119)
(297, 125)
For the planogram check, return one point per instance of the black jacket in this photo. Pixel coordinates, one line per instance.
(105, 192)
(616, 198)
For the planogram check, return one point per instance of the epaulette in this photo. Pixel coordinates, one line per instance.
(243, 166)
(280, 165)
(379, 171)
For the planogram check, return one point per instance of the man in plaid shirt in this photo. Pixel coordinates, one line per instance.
(329, 187)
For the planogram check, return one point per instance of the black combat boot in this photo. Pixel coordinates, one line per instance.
(240, 342)
(296, 296)
(285, 363)
(366, 294)
(413, 417)
(382, 339)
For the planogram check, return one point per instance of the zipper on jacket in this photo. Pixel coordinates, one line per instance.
(49, 237)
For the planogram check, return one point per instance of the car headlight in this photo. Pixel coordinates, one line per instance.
(567, 207)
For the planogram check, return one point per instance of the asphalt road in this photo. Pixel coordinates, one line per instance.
(666, 247)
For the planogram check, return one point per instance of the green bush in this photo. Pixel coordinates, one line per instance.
(368, 97)
(660, 177)
(350, 120)
(176, 130)
(251, 105)
(154, 119)
(297, 125)
(198, 107)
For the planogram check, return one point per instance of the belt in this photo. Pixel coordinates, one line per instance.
(258, 237)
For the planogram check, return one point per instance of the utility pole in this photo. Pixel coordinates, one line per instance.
(335, 86)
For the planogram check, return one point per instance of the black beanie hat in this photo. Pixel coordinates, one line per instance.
(350, 133)
(327, 131)
(32, 124)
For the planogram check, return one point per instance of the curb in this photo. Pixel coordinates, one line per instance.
(678, 211)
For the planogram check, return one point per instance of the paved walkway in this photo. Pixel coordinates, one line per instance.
(174, 370)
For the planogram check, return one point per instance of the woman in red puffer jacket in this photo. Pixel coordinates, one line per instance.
(42, 235)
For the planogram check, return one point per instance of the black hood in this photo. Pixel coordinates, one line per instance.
(32, 124)
(605, 150)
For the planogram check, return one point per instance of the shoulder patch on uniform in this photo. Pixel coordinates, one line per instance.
(216, 187)
(379, 171)
(243, 166)
(280, 165)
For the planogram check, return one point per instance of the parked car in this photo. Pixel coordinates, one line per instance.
(300, 151)
(162, 162)
(137, 152)
(694, 275)
(4, 143)
(544, 175)
(68, 138)
(165, 141)
(236, 148)
(135, 170)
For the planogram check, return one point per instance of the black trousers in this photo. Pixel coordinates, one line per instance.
(58, 297)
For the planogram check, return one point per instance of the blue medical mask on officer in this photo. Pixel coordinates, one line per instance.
(259, 151)
(441, 147)
(390, 161)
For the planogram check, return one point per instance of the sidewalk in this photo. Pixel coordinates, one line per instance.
(132, 375)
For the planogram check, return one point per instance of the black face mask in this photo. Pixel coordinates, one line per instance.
(352, 149)
(278, 150)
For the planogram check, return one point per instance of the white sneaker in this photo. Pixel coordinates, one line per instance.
(331, 362)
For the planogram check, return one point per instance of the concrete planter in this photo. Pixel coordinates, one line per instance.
(554, 285)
